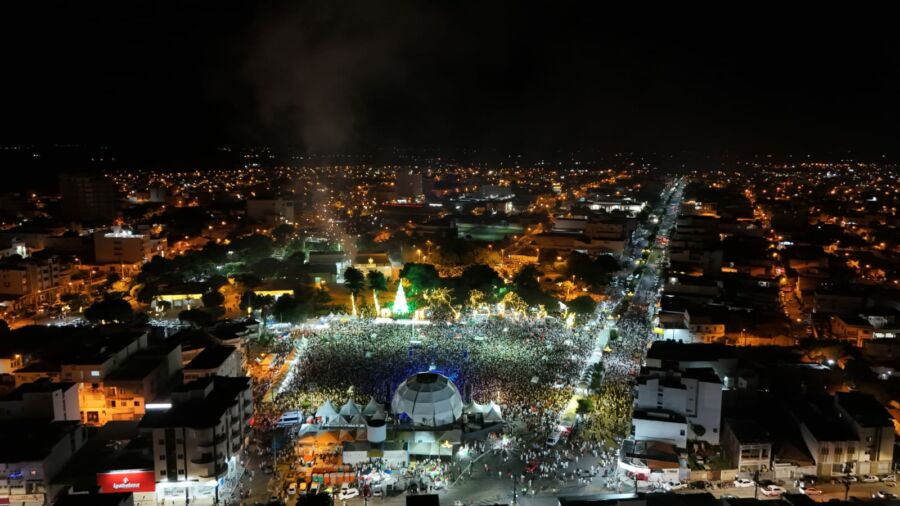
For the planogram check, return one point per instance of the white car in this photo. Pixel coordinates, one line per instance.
(773, 490)
(888, 477)
(743, 483)
(674, 485)
(348, 493)
(868, 478)
(292, 488)
(810, 491)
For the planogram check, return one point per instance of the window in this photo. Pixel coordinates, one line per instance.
(95, 374)
(162, 457)
(681, 432)
(112, 404)
(181, 472)
(180, 456)
(162, 472)
(161, 441)
(137, 404)
(824, 452)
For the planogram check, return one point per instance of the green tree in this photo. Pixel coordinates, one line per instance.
(376, 281)
(528, 277)
(291, 309)
(582, 305)
(354, 280)
(109, 310)
(421, 277)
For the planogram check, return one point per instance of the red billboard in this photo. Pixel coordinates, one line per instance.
(126, 481)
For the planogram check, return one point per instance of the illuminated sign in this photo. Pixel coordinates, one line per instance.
(126, 481)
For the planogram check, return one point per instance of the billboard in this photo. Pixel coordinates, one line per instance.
(135, 480)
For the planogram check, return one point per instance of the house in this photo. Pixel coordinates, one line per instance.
(748, 445)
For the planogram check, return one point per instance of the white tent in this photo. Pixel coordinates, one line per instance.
(326, 411)
(428, 399)
(357, 419)
(373, 408)
(349, 409)
(493, 413)
(473, 408)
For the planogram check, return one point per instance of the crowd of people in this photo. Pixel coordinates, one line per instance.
(522, 365)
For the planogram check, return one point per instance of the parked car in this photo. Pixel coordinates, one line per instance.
(743, 483)
(883, 494)
(292, 488)
(773, 490)
(314, 488)
(303, 487)
(672, 486)
(888, 477)
(700, 485)
(868, 478)
(810, 491)
(850, 479)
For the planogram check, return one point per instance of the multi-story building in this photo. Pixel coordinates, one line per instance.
(88, 199)
(124, 247)
(32, 454)
(747, 444)
(196, 441)
(271, 211)
(695, 394)
(214, 361)
(850, 432)
(42, 400)
(34, 281)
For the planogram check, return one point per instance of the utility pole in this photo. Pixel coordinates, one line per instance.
(515, 486)
(756, 484)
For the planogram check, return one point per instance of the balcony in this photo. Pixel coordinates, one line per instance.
(203, 459)
(218, 471)
(218, 440)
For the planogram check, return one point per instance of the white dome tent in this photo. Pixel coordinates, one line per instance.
(428, 399)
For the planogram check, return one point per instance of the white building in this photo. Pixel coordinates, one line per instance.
(659, 425)
(42, 400)
(119, 246)
(197, 441)
(695, 394)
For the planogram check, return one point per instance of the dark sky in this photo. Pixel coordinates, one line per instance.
(332, 76)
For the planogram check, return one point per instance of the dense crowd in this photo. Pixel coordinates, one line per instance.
(528, 365)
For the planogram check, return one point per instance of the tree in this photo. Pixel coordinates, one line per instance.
(290, 309)
(196, 317)
(482, 278)
(585, 406)
(528, 277)
(582, 305)
(212, 299)
(248, 279)
(376, 280)
(109, 311)
(594, 272)
(4, 327)
(421, 277)
(514, 304)
(266, 267)
(253, 247)
(354, 280)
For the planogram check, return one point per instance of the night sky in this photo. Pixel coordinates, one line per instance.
(332, 76)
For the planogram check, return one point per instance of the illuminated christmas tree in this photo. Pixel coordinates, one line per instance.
(400, 305)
